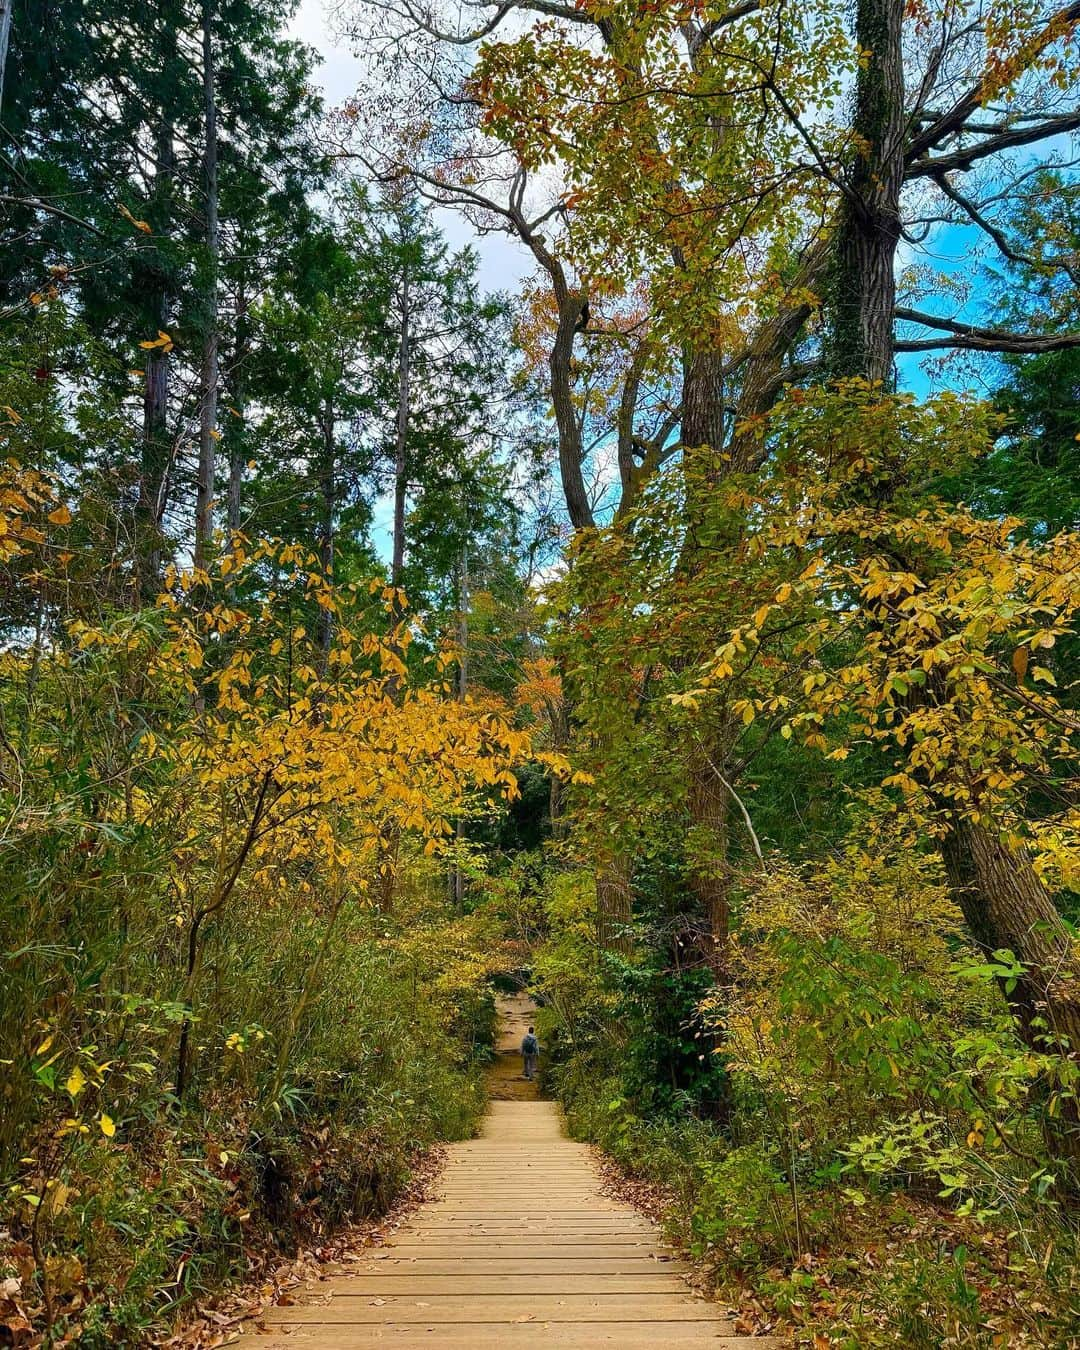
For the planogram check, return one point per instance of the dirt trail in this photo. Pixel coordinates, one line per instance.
(519, 1249)
(506, 1077)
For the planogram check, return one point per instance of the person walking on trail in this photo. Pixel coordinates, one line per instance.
(530, 1053)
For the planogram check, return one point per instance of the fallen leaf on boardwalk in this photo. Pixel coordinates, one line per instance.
(526, 1317)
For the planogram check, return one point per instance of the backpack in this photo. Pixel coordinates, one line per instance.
(530, 1046)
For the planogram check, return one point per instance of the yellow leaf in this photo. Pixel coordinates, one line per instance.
(76, 1081)
(61, 516)
(139, 224)
(44, 1046)
(108, 1128)
(1020, 662)
(163, 340)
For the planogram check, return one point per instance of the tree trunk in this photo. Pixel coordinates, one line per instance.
(6, 7)
(863, 299)
(156, 447)
(457, 879)
(763, 371)
(328, 493)
(236, 481)
(389, 837)
(573, 307)
(614, 908)
(204, 503)
(401, 440)
(1006, 907)
(1002, 901)
(238, 435)
(708, 803)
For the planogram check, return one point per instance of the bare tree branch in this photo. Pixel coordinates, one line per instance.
(992, 145)
(973, 337)
(953, 122)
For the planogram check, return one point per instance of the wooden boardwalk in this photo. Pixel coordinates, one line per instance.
(520, 1248)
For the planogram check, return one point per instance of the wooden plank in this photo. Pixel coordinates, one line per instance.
(655, 1335)
(520, 1265)
(397, 1283)
(510, 1309)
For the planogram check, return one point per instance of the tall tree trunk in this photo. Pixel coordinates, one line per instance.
(863, 299)
(457, 876)
(1003, 902)
(236, 481)
(614, 903)
(401, 441)
(328, 505)
(709, 806)
(573, 312)
(390, 838)
(238, 434)
(204, 504)
(6, 7)
(156, 447)
(708, 801)
(1006, 907)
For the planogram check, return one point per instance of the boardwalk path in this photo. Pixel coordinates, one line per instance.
(520, 1249)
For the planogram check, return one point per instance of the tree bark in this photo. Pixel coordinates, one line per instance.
(6, 7)
(573, 305)
(328, 505)
(204, 503)
(1006, 906)
(389, 837)
(708, 802)
(457, 879)
(614, 897)
(1003, 903)
(238, 435)
(863, 291)
(401, 440)
(156, 447)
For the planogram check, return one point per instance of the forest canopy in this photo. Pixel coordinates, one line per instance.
(681, 625)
